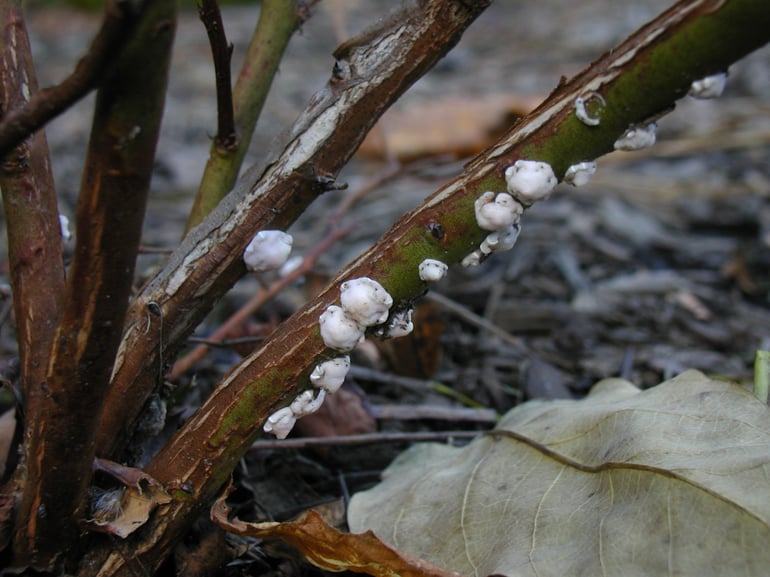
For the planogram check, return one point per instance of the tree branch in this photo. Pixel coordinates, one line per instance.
(369, 75)
(17, 124)
(29, 202)
(638, 80)
(278, 20)
(256, 302)
(60, 444)
(221, 53)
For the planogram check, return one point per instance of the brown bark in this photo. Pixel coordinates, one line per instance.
(34, 237)
(29, 202)
(48, 103)
(61, 441)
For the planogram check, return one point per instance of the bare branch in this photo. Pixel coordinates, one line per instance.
(363, 439)
(278, 20)
(17, 124)
(221, 52)
(29, 202)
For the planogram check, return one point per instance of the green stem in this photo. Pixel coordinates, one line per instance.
(761, 375)
(278, 19)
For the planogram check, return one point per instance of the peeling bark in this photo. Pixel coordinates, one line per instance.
(370, 74)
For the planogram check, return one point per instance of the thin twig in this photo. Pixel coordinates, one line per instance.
(146, 249)
(391, 170)
(420, 412)
(363, 439)
(17, 124)
(468, 315)
(417, 385)
(372, 375)
(226, 343)
(221, 52)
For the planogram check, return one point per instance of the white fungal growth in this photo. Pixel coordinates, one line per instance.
(307, 403)
(500, 240)
(582, 113)
(473, 259)
(280, 423)
(432, 270)
(709, 87)
(268, 250)
(338, 330)
(401, 324)
(365, 301)
(496, 211)
(637, 137)
(530, 180)
(330, 375)
(64, 226)
(580, 173)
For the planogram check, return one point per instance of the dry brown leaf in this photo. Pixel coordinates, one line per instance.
(457, 126)
(132, 511)
(419, 353)
(343, 413)
(330, 549)
(669, 481)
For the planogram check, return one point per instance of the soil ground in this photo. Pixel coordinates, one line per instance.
(660, 263)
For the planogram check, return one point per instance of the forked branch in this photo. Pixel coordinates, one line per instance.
(221, 52)
(370, 74)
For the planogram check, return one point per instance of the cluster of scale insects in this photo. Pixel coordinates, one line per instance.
(365, 303)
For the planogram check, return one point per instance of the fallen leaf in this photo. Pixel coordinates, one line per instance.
(456, 126)
(330, 549)
(419, 353)
(124, 512)
(343, 413)
(669, 481)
